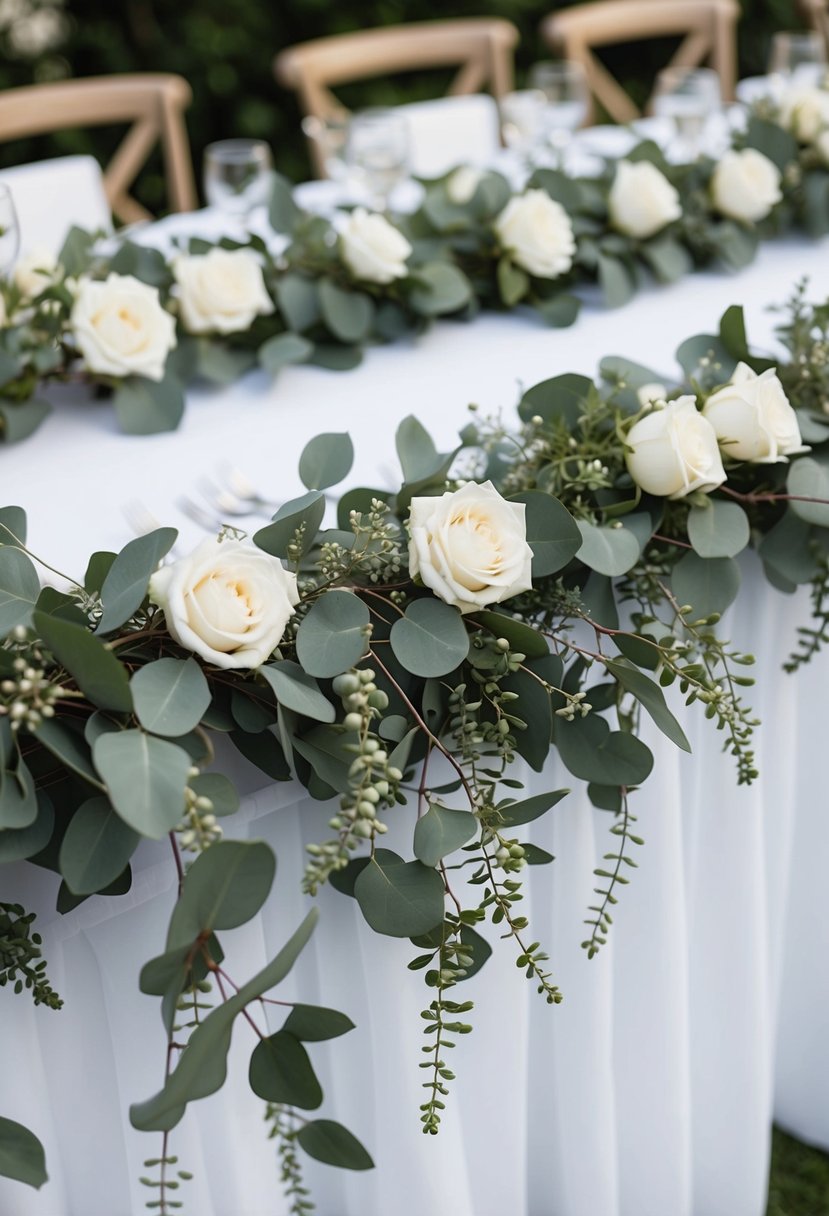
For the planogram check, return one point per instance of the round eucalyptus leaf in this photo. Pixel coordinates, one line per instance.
(21, 1154)
(226, 885)
(552, 533)
(19, 588)
(809, 477)
(96, 847)
(325, 460)
(609, 550)
(400, 898)
(720, 529)
(146, 778)
(280, 1071)
(708, 584)
(315, 1023)
(333, 636)
(431, 639)
(327, 1141)
(170, 696)
(441, 831)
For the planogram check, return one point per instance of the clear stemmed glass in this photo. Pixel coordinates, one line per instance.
(237, 175)
(378, 150)
(522, 122)
(566, 95)
(9, 231)
(688, 97)
(330, 134)
(798, 58)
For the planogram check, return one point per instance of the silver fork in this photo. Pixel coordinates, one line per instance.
(142, 521)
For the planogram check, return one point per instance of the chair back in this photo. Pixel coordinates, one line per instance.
(76, 181)
(816, 13)
(481, 48)
(708, 26)
(153, 103)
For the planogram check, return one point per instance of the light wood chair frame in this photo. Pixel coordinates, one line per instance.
(481, 47)
(816, 13)
(153, 102)
(709, 27)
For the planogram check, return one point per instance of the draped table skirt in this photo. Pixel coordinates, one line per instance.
(649, 1091)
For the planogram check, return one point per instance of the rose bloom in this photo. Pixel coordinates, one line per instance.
(745, 185)
(227, 602)
(121, 328)
(35, 271)
(221, 291)
(805, 111)
(753, 418)
(470, 546)
(536, 231)
(642, 201)
(462, 184)
(373, 249)
(673, 451)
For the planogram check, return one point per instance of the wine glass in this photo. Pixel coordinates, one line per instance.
(688, 97)
(9, 231)
(522, 121)
(798, 58)
(378, 150)
(330, 134)
(237, 175)
(564, 86)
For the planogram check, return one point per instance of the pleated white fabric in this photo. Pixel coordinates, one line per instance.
(650, 1091)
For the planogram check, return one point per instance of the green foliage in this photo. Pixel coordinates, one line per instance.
(21, 1154)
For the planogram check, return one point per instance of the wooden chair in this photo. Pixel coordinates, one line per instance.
(709, 27)
(816, 13)
(480, 47)
(153, 103)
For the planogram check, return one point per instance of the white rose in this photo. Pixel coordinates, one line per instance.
(537, 232)
(462, 184)
(641, 200)
(221, 292)
(745, 185)
(121, 328)
(470, 546)
(373, 249)
(650, 394)
(672, 451)
(805, 112)
(35, 272)
(753, 418)
(228, 602)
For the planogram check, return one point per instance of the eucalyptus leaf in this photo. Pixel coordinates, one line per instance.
(297, 690)
(650, 695)
(348, 314)
(17, 844)
(325, 460)
(303, 515)
(225, 887)
(513, 814)
(327, 1141)
(552, 533)
(96, 847)
(441, 831)
(146, 778)
(280, 1071)
(720, 529)
(333, 635)
(21, 1154)
(283, 350)
(610, 550)
(99, 674)
(314, 1023)
(19, 589)
(170, 695)
(399, 898)
(809, 477)
(708, 584)
(430, 639)
(149, 407)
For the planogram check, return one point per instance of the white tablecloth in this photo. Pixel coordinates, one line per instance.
(650, 1091)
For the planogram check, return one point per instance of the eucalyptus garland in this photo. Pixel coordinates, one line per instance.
(320, 291)
(397, 665)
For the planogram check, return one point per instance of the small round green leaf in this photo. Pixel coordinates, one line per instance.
(326, 460)
(21, 1154)
(280, 1071)
(708, 584)
(19, 588)
(334, 1144)
(719, 529)
(314, 1023)
(146, 778)
(809, 477)
(96, 847)
(551, 532)
(609, 550)
(170, 696)
(431, 639)
(333, 636)
(400, 898)
(441, 831)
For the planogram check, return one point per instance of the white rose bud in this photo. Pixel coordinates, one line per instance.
(650, 394)
(373, 249)
(673, 451)
(470, 546)
(221, 292)
(642, 201)
(35, 272)
(753, 418)
(462, 184)
(121, 328)
(227, 602)
(805, 112)
(745, 185)
(536, 231)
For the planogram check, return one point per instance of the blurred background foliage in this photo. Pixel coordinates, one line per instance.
(225, 50)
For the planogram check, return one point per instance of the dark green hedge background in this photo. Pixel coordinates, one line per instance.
(225, 49)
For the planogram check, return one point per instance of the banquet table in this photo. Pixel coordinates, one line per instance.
(650, 1091)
